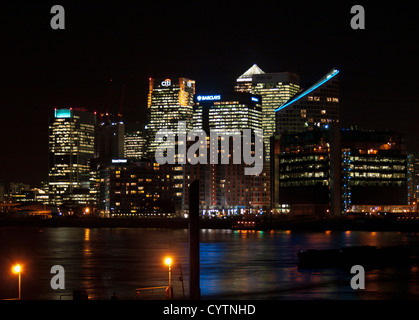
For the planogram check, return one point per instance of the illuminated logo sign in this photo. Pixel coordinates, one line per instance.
(189, 84)
(255, 99)
(208, 98)
(62, 113)
(119, 160)
(166, 83)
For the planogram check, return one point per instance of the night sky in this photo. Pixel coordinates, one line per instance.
(211, 42)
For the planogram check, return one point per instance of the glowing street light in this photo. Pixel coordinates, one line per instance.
(168, 261)
(17, 269)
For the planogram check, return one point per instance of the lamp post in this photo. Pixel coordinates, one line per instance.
(18, 269)
(168, 261)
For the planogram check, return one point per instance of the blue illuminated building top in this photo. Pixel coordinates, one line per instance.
(322, 81)
(63, 113)
(209, 98)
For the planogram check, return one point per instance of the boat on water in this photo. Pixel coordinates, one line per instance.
(248, 224)
(369, 257)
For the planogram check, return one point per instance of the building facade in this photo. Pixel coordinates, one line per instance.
(275, 89)
(72, 135)
(169, 102)
(413, 177)
(244, 82)
(134, 142)
(224, 188)
(110, 137)
(316, 106)
(140, 189)
(331, 171)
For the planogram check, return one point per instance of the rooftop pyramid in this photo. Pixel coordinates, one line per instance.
(253, 70)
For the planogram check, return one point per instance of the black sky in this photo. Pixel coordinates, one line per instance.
(211, 42)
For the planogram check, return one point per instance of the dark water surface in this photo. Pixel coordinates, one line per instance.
(234, 264)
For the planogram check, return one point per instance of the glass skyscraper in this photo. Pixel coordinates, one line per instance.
(169, 102)
(223, 112)
(316, 106)
(71, 147)
(275, 89)
(224, 188)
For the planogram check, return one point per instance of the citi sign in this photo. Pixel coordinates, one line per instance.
(166, 83)
(208, 98)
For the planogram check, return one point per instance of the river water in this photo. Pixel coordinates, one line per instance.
(234, 264)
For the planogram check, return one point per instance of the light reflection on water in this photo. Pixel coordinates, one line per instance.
(234, 264)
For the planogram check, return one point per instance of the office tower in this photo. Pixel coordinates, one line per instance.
(244, 82)
(275, 89)
(332, 171)
(224, 188)
(228, 111)
(135, 142)
(110, 136)
(71, 147)
(316, 106)
(169, 101)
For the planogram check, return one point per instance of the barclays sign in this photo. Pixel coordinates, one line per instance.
(209, 98)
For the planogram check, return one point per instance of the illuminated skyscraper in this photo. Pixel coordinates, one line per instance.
(275, 89)
(134, 142)
(224, 188)
(316, 106)
(169, 101)
(71, 146)
(244, 82)
(223, 112)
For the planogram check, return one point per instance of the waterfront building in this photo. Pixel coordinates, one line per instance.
(224, 188)
(413, 177)
(72, 135)
(332, 171)
(314, 107)
(140, 189)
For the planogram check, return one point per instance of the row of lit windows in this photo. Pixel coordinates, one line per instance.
(303, 159)
(304, 183)
(378, 175)
(375, 167)
(301, 175)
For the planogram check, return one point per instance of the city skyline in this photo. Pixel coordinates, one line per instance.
(209, 151)
(45, 68)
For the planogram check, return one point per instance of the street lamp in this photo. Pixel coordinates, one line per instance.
(17, 269)
(168, 261)
(169, 290)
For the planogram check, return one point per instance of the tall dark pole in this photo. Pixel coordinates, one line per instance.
(194, 288)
